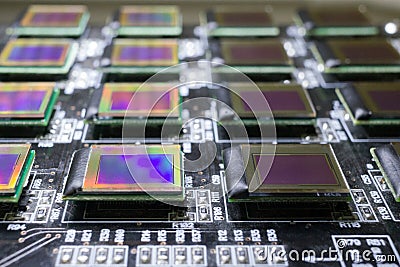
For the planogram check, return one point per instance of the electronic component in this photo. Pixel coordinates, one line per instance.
(255, 173)
(286, 107)
(242, 255)
(16, 163)
(53, 20)
(128, 101)
(254, 56)
(286, 101)
(23, 104)
(163, 255)
(240, 23)
(271, 255)
(145, 255)
(387, 157)
(274, 255)
(141, 52)
(341, 56)
(180, 255)
(199, 255)
(38, 56)
(253, 52)
(115, 172)
(142, 55)
(372, 103)
(194, 255)
(150, 21)
(225, 256)
(331, 22)
(92, 256)
(144, 108)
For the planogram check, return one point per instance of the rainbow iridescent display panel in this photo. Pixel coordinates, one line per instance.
(144, 52)
(12, 159)
(35, 53)
(150, 21)
(53, 20)
(53, 16)
(134, 169)
(284, 100)
(135, 99)
(25, 100)
(150, 16)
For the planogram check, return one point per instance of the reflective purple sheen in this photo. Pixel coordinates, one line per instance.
(54, 17)
(151, 168)
(21, 101)
(149, 18)
(36, 53)
(295, 170)
(145, 53)
(141, 101)
(277, 100)
(8, 162)
(386, 100)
